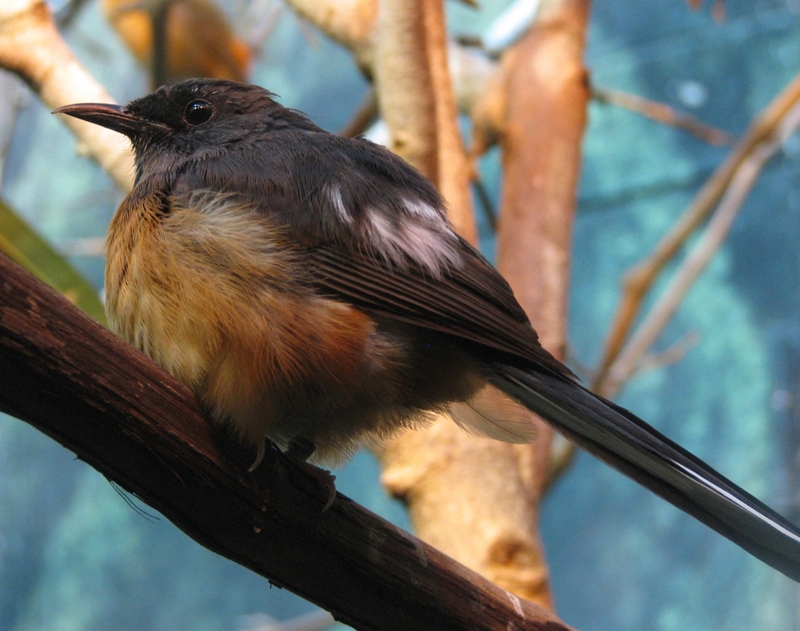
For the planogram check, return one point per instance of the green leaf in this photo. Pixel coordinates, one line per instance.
(22, 244)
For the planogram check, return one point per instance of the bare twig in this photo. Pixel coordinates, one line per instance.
(739, 185)
(663, 114)
(639, 280)
(671, 355)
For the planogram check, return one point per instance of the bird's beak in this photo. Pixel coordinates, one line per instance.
(113, 117)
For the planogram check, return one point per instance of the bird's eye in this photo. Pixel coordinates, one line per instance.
(198, 112)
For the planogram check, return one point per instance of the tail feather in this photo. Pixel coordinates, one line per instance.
(630, 445)
(493, 414)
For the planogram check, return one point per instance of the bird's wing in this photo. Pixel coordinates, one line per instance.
(375, 235)
(472, 302)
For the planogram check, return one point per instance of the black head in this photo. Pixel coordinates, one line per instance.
(198, 116)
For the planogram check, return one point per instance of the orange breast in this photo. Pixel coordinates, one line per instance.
(215, 297)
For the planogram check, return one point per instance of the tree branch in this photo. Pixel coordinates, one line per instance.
(545, 88)
(128, 418)
(641, 278)
(663, 113)
(32, 47)
(742, 181)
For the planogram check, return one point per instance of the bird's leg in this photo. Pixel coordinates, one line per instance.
(301, 448)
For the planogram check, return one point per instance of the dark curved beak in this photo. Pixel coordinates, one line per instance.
(113, 117)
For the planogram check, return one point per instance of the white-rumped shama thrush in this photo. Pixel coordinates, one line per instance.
(308, 287)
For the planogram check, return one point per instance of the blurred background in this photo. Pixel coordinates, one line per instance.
(75, 556)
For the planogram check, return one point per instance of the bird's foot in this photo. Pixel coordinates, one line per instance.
(298, 451)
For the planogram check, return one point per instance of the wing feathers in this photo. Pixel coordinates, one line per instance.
(324, 191)
(452, 305)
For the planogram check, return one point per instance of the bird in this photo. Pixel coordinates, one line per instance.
(310, 290)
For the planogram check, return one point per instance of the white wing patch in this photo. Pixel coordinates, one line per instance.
(422, 236)
(335, 195)
(493, 414)
(421, 209)
(409, 231)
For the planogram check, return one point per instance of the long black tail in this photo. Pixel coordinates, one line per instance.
(629, 444)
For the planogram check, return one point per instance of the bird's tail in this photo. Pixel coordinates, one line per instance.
(630, 445)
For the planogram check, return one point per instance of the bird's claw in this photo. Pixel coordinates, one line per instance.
(262, 449)
(298, 451)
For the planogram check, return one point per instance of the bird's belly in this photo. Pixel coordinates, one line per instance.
(268, 363)
(214, 297)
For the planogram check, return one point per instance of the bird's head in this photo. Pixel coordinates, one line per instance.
(191, 119)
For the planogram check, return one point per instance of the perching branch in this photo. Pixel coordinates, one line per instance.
(142, 429)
